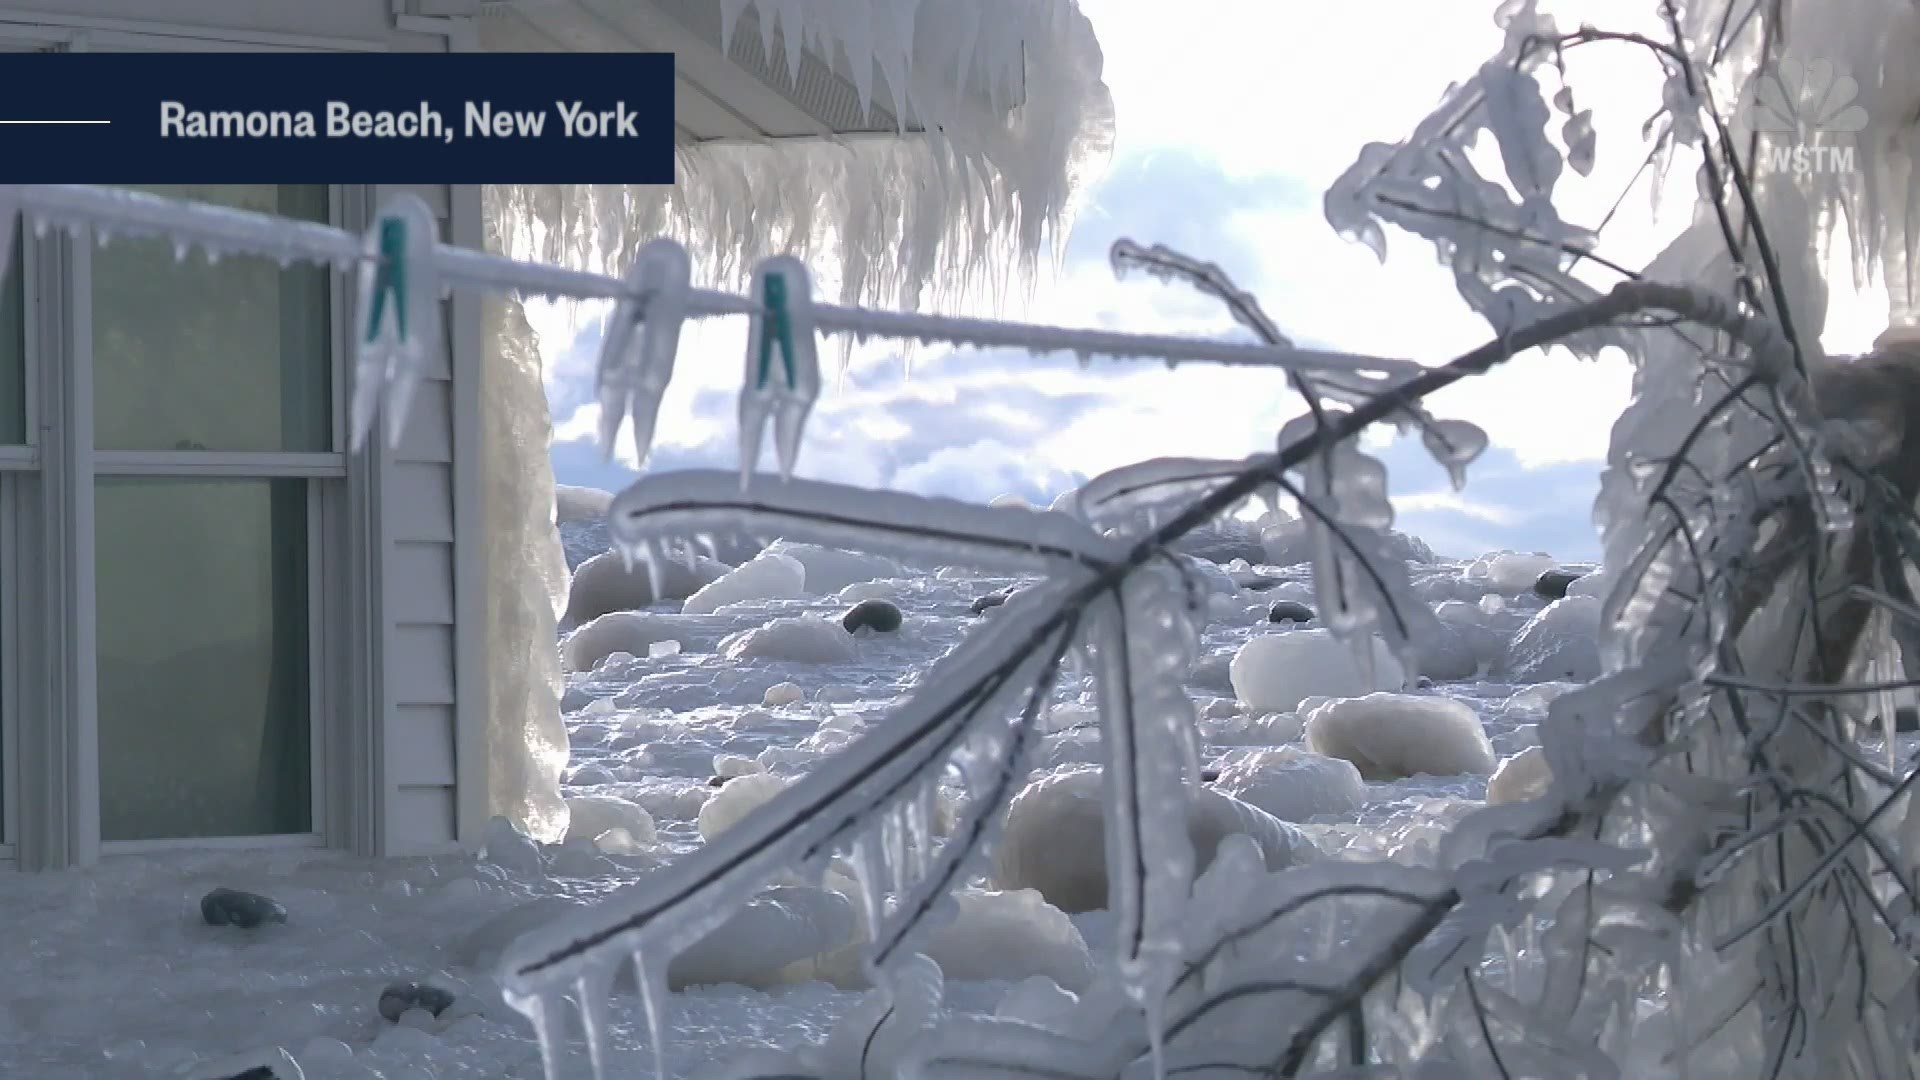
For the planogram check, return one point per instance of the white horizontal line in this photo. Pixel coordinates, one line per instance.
(56, 121)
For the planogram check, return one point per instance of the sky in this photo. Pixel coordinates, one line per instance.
(1231, 120)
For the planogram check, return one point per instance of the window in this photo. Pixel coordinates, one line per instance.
(228, 356)
(13, 347)
(213, 427)
(202, 666)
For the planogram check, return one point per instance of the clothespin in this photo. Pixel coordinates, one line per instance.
(399, 295)
(636, 358)
(781, 329)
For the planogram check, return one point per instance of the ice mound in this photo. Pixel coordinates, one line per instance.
(1523, 776)
(572, 504)
(767, 576)
(800, 639)
(591, 815)
(1393, 736)
(885, 589)
(769, 942)
(1508, 571)
(629, 632)
(1559, 644)
(1275, 672)
(737, 798)
(1288, 543)
(604, 583)
(1445, 654)
(1293, 784)
(1008, 936)
(1055, 843)
(828, 570)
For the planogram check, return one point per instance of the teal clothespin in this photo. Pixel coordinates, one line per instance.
(776, 329)
(399, 290)
(784, 322)
(390, 279)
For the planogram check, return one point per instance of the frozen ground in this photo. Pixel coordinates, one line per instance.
(111, 971)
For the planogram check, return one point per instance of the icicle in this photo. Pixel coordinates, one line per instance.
(539, 1010)
(592, 990)
(399, 303)
(868, 861)
(1455, 444)
(642, 339)
(652, 980)
(783, 364)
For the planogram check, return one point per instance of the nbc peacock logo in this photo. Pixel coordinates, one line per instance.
(1809, 109)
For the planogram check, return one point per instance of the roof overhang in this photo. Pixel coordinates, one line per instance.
(734, 90)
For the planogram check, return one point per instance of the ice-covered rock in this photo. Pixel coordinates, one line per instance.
(575, 504)
(1507, 571)
(760, 945)
(1275, 672)
(633, 633)
(1289, 543)
(1553, 584)
(769, 575)
(1444, 653)
(1289, 611)
(605, 583)
(1054, 841)
(505, 846)
(1293, 784)
(591, 815)
(738, 797)
(828, 570)
(1391, 736)
(797, 639)
(859, 591)
(1560, 643)
(1010, 935)
(782, 693)
(1525, 775)
(878, 616)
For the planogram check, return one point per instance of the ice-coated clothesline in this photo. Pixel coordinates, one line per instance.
(404, 270)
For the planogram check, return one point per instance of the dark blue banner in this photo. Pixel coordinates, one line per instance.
(336, 118)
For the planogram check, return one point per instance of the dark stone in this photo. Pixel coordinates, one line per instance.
(401, 996)
(1553, 584)
(1208, 776)
(991, 600)
(716, 781)
(230, 907)
(1289, 611)
(258, 1072)
(1258, 583)
(1906, 718)
(878, 616)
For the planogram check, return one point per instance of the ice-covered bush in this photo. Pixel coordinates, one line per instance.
(1715, 876)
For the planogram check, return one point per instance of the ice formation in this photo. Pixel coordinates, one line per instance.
(1010, 935)
(1388, 736)
(591, 815)
(1275, 672)
(1053, 843)
(766, 576)
(606, 583)
(574, 504)
(1012, 144)
(631, 632)
(1560, 642)
(800, 639)
(1292, 784)
(526, 575)
(1525, 775)
(833, 569)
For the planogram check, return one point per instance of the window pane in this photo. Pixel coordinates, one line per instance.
(229, 356)
(13, 348)
(202, 658)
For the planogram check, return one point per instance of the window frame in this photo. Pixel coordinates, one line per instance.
(325, 473)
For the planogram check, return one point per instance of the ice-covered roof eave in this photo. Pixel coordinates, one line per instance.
(957, 179)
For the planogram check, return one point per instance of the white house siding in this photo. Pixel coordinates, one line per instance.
(427, 524)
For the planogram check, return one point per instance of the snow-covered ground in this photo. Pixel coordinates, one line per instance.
(112, 971)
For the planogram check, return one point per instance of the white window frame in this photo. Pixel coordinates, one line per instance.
(326, 475)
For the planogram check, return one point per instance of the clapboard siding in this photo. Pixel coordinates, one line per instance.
(419, 607)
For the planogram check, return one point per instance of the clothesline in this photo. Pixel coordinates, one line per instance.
(109, 212)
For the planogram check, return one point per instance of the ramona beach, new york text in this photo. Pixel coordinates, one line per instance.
(341, 120)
